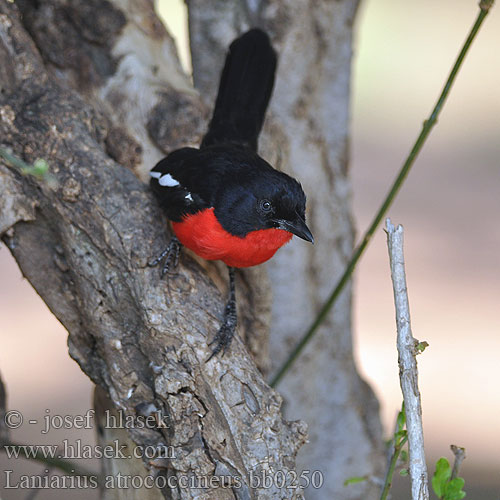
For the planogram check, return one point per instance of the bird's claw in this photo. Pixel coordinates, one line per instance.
(224, 336)
(171, 255)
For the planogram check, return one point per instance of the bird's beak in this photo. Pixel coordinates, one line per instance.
(297, 227)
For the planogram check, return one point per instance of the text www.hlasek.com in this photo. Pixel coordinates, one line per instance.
(77, 450)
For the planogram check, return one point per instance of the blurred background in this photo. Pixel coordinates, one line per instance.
(449, 207)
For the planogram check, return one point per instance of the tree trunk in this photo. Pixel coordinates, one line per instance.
(92, 85)
(307, 136)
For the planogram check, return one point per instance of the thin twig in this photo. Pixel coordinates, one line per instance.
(33, 493)
(395, 447)
(398, 447)
(64, 465)
(459, 458)
(407, 359)
(485, 6)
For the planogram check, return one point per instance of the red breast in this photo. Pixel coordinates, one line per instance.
(202, 233)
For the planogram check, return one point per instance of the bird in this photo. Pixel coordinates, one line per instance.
(223, 200)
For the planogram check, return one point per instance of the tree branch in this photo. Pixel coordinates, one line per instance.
(408, 374)
(460, 456)
(85, 245)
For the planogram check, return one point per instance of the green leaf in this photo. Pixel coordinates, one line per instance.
(39, 169)
(41, 165)
(355, 480)
(421, 346)
(441, 476)
(403, 472)
(454, 489)
(401, 421)
(400, 435)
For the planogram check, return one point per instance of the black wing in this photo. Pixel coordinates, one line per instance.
(171, 183)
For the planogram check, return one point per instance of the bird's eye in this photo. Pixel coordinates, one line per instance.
(265, 205)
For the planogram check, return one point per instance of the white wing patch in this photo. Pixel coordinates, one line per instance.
(168, 181)
(164, 179)
(189, 197)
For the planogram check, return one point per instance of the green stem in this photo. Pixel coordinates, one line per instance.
(358, 252)
(39, 169)
(392, 467)
(14, 161)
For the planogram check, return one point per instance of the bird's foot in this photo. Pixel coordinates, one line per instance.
(171, 256)
(224, 336)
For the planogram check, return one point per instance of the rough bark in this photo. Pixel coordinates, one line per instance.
(307, 135)
(84, 85)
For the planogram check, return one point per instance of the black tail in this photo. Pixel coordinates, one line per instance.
(245, 88)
